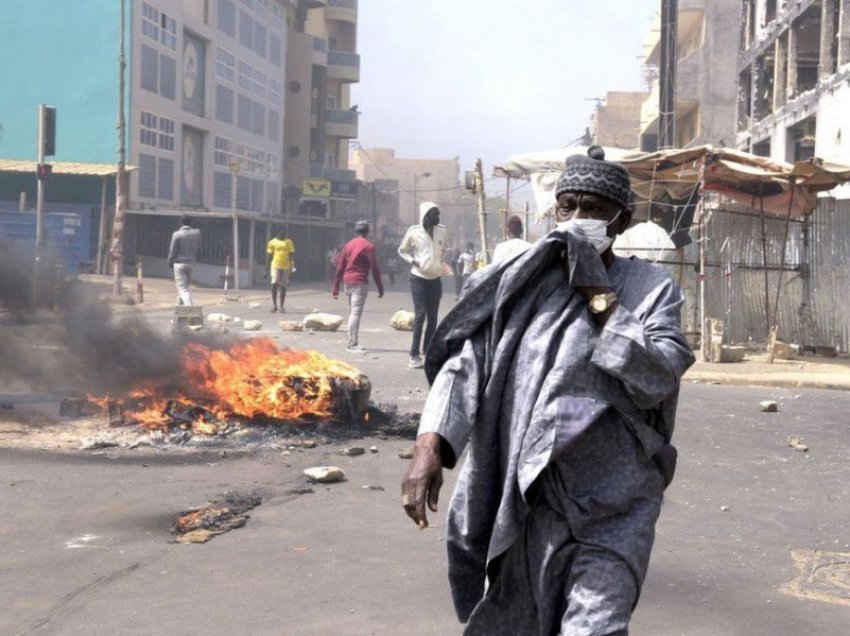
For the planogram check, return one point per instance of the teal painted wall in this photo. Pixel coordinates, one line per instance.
(64, 54)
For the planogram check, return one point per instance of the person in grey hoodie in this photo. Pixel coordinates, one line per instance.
(182, 256)
(422, 247)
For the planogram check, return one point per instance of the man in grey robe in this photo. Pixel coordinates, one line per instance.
(560, 370)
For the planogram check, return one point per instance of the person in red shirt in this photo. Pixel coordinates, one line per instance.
(354, 263)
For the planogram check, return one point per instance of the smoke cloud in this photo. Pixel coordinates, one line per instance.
(73, 342)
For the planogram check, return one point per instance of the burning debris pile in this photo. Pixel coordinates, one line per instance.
(202, 524)
(214, 391)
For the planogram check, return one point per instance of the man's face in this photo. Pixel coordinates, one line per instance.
(432, 217)
(580, 205)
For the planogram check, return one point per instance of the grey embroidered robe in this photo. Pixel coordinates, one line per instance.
(519, 370)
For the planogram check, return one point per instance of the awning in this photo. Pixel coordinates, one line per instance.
(64, 167)
(673, 175)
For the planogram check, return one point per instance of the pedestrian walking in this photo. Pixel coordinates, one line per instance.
(182, 256)
(422, 246)
(563, 377)
(514, 244)
(282, 265)
(354, 263)
(466, 265)
(392, 269)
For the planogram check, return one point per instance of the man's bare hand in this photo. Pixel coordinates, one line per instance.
(423, 479)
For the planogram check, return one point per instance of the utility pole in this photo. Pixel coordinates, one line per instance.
(507, 202)
(234, 170)
(375, 209)
(117, 249)
(482, 212)
(525, 222)
(46, 142)
(667, 75)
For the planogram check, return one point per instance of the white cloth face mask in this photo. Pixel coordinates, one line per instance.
(595, 230)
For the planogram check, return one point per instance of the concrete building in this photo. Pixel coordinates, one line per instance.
(322, 199)
(706, 93)
(228, 102)
(419, 180)
(793, 75)
(204, 110)
(616, 121)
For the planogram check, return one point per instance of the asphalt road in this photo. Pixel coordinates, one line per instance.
(86, 547)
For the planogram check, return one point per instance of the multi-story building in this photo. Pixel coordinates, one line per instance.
(322, 64)
(206, 117)
(227, 103)
(707, 45)
(793, 74)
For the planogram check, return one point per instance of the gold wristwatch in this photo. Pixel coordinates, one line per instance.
(600, 303)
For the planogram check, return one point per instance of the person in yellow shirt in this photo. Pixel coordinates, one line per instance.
(282, 265)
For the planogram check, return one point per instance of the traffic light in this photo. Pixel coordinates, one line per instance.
(43, 171)
(48, 130)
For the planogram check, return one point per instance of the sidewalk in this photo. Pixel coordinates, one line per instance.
(159, 295)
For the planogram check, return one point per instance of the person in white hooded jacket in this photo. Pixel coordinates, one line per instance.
(422, 247)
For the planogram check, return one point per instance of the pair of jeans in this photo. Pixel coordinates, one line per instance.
(426, 304)
(356, 301)
(182, 279)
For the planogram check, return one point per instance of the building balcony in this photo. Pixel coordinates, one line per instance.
(342, 10)
(344, 66)
(341, 123)
(320, 52)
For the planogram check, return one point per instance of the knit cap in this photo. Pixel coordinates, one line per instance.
(594, 175)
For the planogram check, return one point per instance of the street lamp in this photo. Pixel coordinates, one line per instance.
(415, 196)
(234, 170)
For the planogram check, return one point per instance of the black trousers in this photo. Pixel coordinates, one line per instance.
(426, 304)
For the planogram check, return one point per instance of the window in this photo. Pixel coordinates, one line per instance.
(225, 65)
(260, 39)
(150, 22)
(221, 189)
(243, 193)
(243, 112)
(166, 134)
(259, 83)
(246, 30)
(258, 120)
(224, 104)
(258, 189)
(165, 180)
(274, 49)
(147, 132)
(274, 125)
(227, 17)
(167, 77)
(274, 91)
(168, 32)
(246, 76)
(271, 166)
(150, 69)
(222, 152)
(147, 176)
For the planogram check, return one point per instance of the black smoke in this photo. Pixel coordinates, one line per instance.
(69, 337)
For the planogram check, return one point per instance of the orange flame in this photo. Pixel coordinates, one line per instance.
(253, 378)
